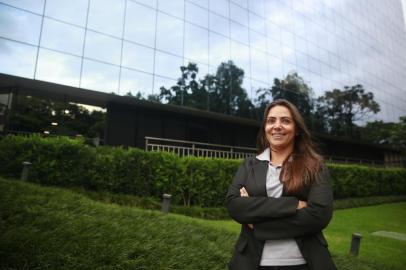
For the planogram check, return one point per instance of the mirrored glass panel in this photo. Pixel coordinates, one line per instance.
(162, 82)
(149, 3)
(17, 59)
(36, 6)
(196, 43)
(240, 56)
(257, 23)
(58, 67)
(259, 65)
(275, 67)
(138, 57)
(201, 3)
(173, 7)
(257, 7)
(19, 25)
(135, 82)
(167, 65)
(239, 14)
(103, 48)
(219, 24)
(107, 16)
(99, 76)
(169, 34)
(255, 85)
(140, 24)
(239, 33)
(196, 14)
(241, 3)
(219, 49)
(62, 37)
(258, 41)
(72, 11)
(219, 6)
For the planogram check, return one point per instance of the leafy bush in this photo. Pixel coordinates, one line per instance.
(192, 181)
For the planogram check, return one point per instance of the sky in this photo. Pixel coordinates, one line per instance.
(329, 43)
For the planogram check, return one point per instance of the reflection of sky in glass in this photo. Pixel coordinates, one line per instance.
(197, 47)
(103, 48)
(72, 11)
(138, 57)
(58, 67)
(140, 24)
(107, 16)
(140, 44)
(17, 59)
(134, 82)
(99, 76)
(62, 37)
(169, 36)
(19, 25)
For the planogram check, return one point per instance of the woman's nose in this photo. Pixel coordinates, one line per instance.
(277, 124)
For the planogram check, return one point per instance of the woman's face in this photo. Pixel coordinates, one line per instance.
(280, 128)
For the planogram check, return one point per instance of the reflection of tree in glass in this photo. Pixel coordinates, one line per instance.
(221, 92)
(386, 133)
(336, 112)
(292, 88)
(33, 114)
(342, 108)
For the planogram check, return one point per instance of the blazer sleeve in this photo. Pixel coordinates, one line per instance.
(308, 220)
(255, 209)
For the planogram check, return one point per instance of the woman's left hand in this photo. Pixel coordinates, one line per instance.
(244, 193)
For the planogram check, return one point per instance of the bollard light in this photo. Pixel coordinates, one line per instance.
(355, 244)
(166, 203)
(26, 170)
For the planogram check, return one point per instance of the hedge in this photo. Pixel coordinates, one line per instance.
(62, 161)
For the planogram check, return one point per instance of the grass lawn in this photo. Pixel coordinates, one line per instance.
(52, 228)
(375, 251)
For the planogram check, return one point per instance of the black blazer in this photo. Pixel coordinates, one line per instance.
(278, 218)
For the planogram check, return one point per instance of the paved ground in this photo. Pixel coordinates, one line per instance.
(395, 235)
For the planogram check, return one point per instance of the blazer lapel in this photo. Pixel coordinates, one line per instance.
(259, 170)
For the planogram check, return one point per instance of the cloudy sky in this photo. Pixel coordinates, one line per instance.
(139, 45)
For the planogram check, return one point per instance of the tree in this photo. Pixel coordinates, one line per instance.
(342, 108)
(32, 114)
(227, 94)
(221, 92)
(294, 89)
(187, 90)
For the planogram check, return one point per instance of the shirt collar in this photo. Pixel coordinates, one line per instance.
(264, 156)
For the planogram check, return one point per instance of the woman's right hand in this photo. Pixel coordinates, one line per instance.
(302, 204)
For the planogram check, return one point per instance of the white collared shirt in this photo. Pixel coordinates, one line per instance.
(284, 251)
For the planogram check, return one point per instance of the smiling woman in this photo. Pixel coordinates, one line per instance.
(282, 197)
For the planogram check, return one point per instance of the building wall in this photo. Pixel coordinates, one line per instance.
(129, 125)
(135, 46)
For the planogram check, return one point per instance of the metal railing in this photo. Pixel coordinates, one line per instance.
(199, 149)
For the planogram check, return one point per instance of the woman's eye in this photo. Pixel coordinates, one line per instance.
(286, 121)
(271, 121)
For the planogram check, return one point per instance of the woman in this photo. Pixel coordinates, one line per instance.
(282, 197)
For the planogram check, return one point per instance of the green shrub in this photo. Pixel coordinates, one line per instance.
(191, 181)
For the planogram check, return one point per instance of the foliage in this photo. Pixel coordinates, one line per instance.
(294, 89)
(192, 181)
(37, 223)
(48, 228)
(342, 108)
(393, 134)
(32, 114)
(221, 92)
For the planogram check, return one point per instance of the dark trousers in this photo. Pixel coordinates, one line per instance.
(286, 267)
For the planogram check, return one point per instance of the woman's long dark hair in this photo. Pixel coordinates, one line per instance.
(300, 168)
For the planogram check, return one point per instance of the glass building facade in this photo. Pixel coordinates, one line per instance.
(135, 46)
